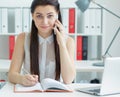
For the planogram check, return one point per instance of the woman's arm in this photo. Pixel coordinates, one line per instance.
(14, 75)
(17, 59)
(68, 71)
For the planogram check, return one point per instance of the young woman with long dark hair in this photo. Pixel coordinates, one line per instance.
(45, 52)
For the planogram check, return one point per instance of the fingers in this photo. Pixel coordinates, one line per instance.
(59, 25)
(30, 80)
(32, 77)
(56, 31)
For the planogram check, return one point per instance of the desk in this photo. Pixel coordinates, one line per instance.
(7, 91)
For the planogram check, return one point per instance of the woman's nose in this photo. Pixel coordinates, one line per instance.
(45, 20)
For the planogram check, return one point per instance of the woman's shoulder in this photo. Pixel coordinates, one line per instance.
(22, 35)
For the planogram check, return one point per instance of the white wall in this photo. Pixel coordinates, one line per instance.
(111, 24)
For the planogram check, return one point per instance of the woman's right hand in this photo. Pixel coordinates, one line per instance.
(29, 80)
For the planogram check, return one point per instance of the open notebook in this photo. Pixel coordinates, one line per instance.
(46, 85)
(110, 81)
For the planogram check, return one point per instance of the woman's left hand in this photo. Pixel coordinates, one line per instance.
(60, 34)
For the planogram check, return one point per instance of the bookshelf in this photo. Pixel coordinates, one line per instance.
(78, 28)
(90, 35)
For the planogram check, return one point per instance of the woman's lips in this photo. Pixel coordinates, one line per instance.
(44, 27)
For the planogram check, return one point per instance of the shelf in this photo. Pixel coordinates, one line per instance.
(8, 34)
(89, 34)
(81, 68)
(86, 66)
(4, 65)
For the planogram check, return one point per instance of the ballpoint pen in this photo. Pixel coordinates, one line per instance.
(25, 71)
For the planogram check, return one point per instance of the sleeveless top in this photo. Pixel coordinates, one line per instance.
(46, 56)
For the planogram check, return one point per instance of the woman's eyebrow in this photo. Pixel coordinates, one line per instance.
(38, 13)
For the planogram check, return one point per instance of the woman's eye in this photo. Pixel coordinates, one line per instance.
(50, 16)
(39, 16)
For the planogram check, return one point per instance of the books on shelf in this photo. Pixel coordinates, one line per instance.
(92, 21)
(46, 85)
(79, 48)
(68, 19)
(84, 48)
(88, 48)
(71, 20)
(93, 47)
(11, 46)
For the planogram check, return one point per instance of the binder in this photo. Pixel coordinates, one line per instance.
(92, 47)
(4, 20)
(65, 19)
(26, 20)
(92, 22)
(98, 21)
(86, 20)
(72, 20)
(18, 20)
(84, 47)
(11, 46)
(4, 47)
(79, 48)
(0, 21)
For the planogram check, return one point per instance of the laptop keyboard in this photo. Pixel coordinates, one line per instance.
(95, 90)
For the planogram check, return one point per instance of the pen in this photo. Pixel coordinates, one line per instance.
(24, 70)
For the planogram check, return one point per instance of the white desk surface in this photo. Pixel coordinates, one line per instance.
(7, 91)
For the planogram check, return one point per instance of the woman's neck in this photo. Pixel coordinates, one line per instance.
(44, 35)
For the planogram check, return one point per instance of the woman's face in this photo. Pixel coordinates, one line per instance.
(44, 18)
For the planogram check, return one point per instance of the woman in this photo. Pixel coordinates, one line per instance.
(47, 52)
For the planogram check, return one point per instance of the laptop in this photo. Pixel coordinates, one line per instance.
(110, 81)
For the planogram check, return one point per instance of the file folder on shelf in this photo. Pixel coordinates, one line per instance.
(65, 19)
(4, 20)
(18, 20)
(0, 21)
(26, 19)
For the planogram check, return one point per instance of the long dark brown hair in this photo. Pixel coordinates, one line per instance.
(34, 43)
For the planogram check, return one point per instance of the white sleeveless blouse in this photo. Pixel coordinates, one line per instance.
(46, 56)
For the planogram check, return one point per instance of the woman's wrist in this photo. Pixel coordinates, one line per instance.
(20, 79)
(62, 46)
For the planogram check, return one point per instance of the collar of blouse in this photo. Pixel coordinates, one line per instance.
(49, 39)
